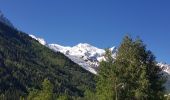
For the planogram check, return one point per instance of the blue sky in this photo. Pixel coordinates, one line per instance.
(102, 23)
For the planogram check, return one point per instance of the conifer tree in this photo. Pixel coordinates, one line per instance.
(138, 71)
(133, 75)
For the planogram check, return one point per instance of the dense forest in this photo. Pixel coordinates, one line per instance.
(25, 64)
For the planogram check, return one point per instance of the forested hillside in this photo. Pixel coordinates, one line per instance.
(25, 63)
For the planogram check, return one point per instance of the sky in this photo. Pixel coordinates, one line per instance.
(102, 23)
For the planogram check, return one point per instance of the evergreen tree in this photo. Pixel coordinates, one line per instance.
(133, 75)
(138, 71)
(106, 79)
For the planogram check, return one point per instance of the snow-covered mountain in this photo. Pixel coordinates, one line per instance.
(87, 53)
(83, 54)
(4, 20)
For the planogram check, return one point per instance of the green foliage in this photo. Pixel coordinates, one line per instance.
(25, 63)
(33, 94)
(90, 95)
(106, 79)
(133, 75)
(63, 97)
(45, 94)
(138, 71)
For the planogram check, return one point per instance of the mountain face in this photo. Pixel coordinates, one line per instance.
(25, 63)
(83, 54)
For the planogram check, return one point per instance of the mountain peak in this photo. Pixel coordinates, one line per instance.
(83, 44)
